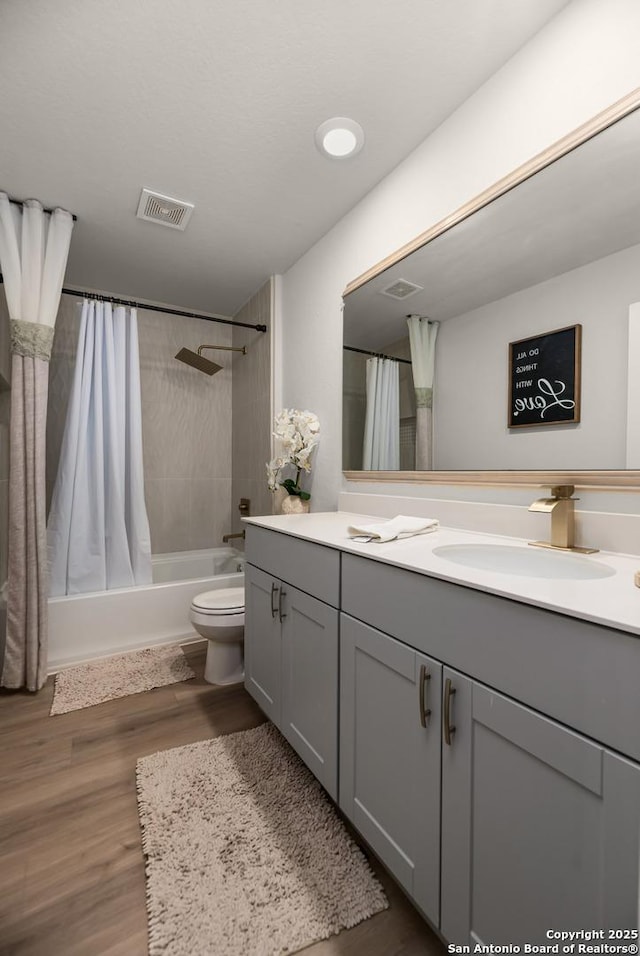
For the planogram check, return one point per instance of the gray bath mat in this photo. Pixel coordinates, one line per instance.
(245, 854)
(97, 681)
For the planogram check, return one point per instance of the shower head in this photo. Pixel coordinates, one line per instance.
(198, 361)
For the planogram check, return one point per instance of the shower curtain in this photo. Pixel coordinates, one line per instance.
(381, 448)
(98, 532)
(422, 339)
(34, 246)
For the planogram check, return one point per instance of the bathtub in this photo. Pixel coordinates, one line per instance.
(87, 626)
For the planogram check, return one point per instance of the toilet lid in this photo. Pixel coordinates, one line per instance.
(222, 600)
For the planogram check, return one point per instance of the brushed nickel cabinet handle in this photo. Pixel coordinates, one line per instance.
(283, 594)
(274, 588)
(425, 712)
(449, 691)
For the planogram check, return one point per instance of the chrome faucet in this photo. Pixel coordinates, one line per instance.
(237, 534)
(561, 507)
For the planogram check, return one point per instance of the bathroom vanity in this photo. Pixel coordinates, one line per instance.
(480, 729)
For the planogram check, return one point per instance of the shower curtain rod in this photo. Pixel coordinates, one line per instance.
(392, 358)
(21, 202)
(158, 308)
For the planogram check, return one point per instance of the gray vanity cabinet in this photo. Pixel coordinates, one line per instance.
(263, 642)
(390, 755)
(291, 644)
(536, 823)
(540, 822)
(513, 807)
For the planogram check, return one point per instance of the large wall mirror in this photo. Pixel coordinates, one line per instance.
(554, 246)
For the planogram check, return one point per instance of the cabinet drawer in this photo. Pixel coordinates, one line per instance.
(582, 674)
(312, 568)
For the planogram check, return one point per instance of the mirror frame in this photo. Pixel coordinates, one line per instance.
(595, 480)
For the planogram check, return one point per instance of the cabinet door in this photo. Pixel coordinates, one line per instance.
(539, 825)
(389, 761)
(262, 641)
(310, 683)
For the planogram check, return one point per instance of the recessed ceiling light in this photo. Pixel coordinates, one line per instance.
(340, 137)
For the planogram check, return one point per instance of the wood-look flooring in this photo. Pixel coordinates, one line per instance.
(71, 865)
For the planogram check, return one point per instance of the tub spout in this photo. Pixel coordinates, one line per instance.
(237, 534)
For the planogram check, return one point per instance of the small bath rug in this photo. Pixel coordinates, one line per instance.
(98, 681)
(245, 854)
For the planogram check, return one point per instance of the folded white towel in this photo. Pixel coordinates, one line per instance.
(401, 526)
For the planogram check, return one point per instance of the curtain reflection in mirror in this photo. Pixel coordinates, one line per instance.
(422, 337)
(381, 447)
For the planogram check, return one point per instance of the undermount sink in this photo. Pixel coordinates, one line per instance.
(524, 561)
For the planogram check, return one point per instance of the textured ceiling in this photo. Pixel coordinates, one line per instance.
(217, 102)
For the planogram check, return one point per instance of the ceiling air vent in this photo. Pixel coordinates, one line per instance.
(154, 207)
(401, 289)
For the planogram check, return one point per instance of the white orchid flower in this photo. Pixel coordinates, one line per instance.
(298, 433)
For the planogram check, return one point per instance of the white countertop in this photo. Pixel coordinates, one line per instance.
(613, 601)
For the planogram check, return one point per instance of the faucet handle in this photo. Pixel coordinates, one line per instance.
(563, 491)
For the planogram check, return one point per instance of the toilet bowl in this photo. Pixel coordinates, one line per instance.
(219, 616)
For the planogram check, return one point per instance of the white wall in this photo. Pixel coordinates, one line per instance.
(581, 62)
(472, 373)
(633, 388)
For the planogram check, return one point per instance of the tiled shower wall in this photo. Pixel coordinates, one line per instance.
(186, 425)
(186, 432)
(252, 407)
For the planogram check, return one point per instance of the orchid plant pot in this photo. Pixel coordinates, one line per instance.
(297, 433)
(295, 505)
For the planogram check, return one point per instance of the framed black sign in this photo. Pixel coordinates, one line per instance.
(544, 378)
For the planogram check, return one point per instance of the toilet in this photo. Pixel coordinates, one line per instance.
(219, 616)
